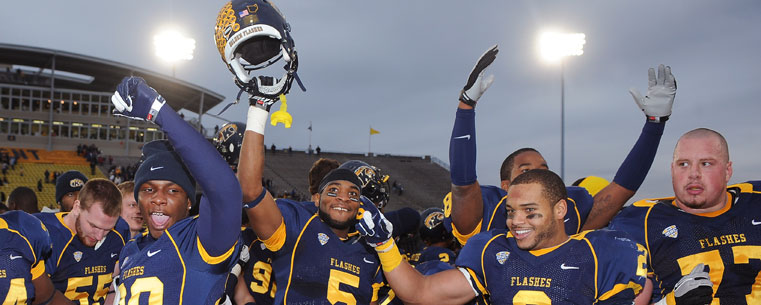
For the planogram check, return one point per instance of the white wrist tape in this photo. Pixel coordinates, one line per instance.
(257, 117)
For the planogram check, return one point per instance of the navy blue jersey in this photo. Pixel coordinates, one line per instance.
(78, 271)
(173, 269)
(24, 247)
(313, 265)
(600, 266)
(579, 203)
(433, 253)
(728, 241)
(258, 270)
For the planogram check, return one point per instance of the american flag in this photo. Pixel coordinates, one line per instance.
(243, 13)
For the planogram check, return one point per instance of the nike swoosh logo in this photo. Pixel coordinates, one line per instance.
(112, 255)
(15, 257)
(755, 223)
(153, 253)
(564, 267)
(367, 261)
(566, 220)
(155, 168)
(466, 137)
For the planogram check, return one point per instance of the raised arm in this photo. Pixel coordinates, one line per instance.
(657, 108)
(219, 212)
(467, 204)
(263, 214)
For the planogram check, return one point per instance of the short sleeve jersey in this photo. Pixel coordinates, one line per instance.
(600, 266)
(728, 241)
(24, 247)
(78, 271)
(313, 265)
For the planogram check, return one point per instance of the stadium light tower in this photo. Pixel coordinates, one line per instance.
(554, 47)
(172, 46)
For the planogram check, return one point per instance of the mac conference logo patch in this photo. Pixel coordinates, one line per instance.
(322, 238)
(502, 257)
(671, 231)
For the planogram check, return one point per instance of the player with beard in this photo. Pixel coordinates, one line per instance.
(511, 266)
(705, 222)
(317, 257)
(86, 242)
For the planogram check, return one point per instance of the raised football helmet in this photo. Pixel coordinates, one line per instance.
(374, 183)
(228, 141)
(252, 35)
(432, 226)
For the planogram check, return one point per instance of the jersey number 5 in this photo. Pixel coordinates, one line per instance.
(335, 295)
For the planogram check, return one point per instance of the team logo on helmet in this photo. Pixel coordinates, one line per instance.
(671, 231)
(76, 182)
(502, 257)
(322, 238)
(433, 219)
(78, 256)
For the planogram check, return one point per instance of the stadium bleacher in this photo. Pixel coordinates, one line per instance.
(33, 169)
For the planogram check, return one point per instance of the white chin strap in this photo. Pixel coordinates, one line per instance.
(273, 89)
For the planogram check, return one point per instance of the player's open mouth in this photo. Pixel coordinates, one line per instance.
(159, 219)
(521, 233)
(694, 189)
(342, 209)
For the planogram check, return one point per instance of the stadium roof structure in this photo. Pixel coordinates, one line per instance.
(81, 72)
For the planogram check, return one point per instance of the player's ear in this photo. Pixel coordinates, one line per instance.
(504, 184)
(729, 170)
(316, 199)
(560, 209)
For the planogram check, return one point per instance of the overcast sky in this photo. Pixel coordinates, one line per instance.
(399, 66)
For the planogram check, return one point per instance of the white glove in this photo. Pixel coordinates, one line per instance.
(477, 83)
(694, 288)
(660, 95)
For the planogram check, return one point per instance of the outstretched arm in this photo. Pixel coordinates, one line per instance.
(467, 203)
(657, 108)
(263, 214)
(221, 192)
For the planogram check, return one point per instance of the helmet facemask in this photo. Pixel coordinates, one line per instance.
(252, 35)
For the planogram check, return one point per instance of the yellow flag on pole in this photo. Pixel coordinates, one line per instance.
(373, 131)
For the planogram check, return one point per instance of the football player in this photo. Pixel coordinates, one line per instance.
(130, 211)
(67, 187)
(24, 247)
(438, 241)
(180, 258)
(705, 221)
(532, 262)
(473, 208)
(87, 242)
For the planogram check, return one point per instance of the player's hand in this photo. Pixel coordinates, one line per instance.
(660, 95)
(694, 289)
(477, 83)
(136, 100)
(375, 228)
(262, 102)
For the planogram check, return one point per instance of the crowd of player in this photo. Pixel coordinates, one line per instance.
(530, 240)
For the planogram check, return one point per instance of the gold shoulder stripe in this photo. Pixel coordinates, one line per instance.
(213, 260)
(38, 269)
(277, 240)
(463, 238)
